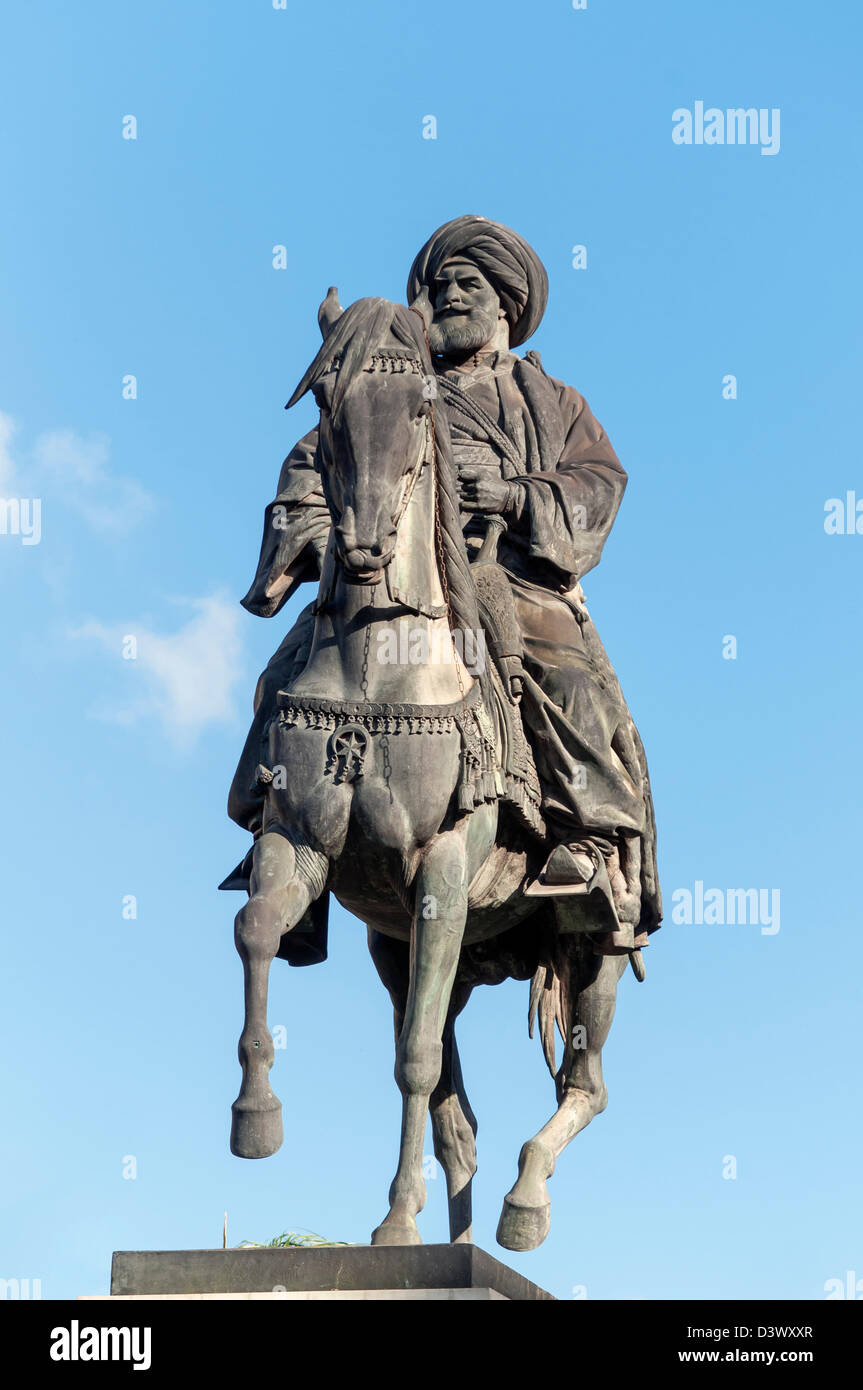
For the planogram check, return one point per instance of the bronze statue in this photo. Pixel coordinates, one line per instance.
(441, 740)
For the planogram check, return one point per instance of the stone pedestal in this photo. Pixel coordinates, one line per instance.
(338, 1272)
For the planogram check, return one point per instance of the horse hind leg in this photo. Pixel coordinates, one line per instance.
(526, 1215)
(279, 897)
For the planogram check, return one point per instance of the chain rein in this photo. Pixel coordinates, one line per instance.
(438, 534)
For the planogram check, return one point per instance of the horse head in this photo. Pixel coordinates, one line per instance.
(370, 380)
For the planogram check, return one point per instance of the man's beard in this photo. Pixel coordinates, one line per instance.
(462, 333)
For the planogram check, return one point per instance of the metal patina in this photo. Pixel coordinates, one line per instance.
(486, 823)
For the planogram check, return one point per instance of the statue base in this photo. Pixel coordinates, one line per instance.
(338, 1272)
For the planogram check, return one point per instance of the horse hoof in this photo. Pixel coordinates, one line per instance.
(390, 1234)
(256, 1133)
(523, 1228)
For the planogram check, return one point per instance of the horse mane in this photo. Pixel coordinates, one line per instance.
(351, 342)
(347, 348)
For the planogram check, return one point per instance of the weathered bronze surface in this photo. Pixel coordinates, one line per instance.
(441, 740)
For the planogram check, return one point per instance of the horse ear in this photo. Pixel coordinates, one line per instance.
(422, 306)
(329, 312)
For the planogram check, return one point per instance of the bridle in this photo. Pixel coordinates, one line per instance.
(399, 361)
(427, 453)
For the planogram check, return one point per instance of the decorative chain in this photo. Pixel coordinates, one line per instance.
(438, 534)
(364, 677)
(364, 685)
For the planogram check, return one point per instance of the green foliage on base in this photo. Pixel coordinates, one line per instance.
(289, 1238)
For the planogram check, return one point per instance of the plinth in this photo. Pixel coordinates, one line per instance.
(338, 1272)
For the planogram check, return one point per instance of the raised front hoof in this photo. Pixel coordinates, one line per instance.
(256, 1133)
(388, 1233)
(523, 1228)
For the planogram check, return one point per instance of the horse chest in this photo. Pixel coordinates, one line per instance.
(351, 783)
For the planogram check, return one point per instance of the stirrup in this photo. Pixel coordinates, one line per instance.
(562, 876)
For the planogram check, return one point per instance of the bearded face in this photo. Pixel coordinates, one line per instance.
(466, 310)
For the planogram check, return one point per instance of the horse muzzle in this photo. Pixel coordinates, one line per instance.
(359, 567)
(365, 563)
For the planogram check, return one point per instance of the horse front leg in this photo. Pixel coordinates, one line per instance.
(454, 1130)
(279, 897)
(438, 930)
(453, 1121)
(526, 1215)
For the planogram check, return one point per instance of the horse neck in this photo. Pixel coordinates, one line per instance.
(370, 643)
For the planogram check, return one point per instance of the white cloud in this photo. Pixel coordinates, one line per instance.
(73, 471)
(188, 676)
(78, 469)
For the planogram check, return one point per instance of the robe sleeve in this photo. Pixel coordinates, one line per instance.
(296, 530)
(566, 514)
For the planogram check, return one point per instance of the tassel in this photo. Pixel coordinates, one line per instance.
(465, 797)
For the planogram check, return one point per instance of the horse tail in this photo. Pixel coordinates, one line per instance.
(550, 1001)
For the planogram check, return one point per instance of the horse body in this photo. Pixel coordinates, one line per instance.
(366, 762)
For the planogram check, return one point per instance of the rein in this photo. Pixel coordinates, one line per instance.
(414, 474)
(441, 556)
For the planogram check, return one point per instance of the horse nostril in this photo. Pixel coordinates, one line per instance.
(369, 557)
(370, 549)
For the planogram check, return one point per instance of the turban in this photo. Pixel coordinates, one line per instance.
(511, 266)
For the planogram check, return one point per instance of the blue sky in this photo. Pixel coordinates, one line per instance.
(153, 257)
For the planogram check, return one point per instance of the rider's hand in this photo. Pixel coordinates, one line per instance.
(480, 492)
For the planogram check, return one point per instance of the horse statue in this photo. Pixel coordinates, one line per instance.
(405, 787)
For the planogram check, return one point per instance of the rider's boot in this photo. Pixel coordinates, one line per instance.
(581, 866)
(576, 866)
(573, 863)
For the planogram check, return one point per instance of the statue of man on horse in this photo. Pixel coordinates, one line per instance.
(451, 486)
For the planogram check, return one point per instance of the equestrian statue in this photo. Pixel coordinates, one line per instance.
(441, 742)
